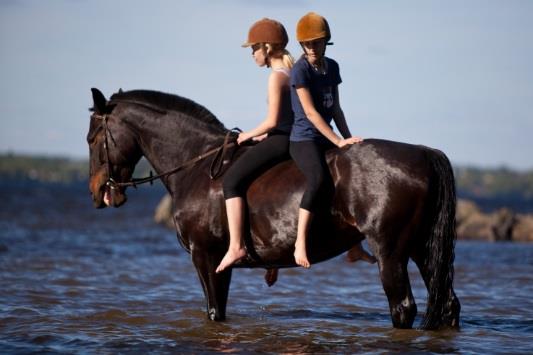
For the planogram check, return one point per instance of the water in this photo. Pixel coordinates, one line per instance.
(75, 279)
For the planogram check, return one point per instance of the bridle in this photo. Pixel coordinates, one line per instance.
(215, 168)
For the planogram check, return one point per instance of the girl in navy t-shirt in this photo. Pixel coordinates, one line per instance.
(315, 103)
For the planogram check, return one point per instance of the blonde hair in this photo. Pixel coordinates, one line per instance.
(277, 51)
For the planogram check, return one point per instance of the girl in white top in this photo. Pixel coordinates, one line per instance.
(268, 39)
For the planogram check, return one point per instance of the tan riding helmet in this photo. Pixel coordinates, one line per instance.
(267, 31)
(312, 26)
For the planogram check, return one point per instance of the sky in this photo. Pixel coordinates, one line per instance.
(454, 75)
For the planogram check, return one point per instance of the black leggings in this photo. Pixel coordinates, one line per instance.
(267, 153)
(310, 157)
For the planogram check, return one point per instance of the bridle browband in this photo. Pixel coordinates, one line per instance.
(214, 170)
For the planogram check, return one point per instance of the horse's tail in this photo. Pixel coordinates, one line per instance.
(443, 307)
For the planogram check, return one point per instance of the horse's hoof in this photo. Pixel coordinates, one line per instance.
(214, 316)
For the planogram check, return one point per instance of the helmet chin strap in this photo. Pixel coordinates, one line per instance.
(265, 53)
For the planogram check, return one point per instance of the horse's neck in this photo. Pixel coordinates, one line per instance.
(168, 142)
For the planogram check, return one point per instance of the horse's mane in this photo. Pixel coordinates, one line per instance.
(168, 102)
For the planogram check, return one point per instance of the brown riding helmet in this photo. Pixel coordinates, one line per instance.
(267, 31)
(312, 26)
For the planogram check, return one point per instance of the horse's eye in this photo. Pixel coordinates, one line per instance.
(93, 133)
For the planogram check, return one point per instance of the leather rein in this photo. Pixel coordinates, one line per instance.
(215, 168)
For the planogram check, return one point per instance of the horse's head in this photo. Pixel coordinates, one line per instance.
(113, 154)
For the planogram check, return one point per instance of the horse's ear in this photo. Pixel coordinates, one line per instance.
(99, 100)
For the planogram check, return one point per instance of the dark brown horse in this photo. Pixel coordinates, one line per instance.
(400, 197)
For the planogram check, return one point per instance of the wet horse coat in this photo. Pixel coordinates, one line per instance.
(400, 197)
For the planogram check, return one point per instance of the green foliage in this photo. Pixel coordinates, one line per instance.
(44, 169)
(494, 183)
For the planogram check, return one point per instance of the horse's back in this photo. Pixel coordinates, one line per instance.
(377, 155)
(375, 182)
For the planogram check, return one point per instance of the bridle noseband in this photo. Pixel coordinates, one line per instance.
(214, 170)
(111, 183)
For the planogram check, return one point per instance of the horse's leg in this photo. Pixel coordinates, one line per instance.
(271, 276)
(395, 280)
(215, 285)
(391, 252)
(434, 252)
(452, 305)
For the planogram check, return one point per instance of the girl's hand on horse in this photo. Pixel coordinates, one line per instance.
(349, 141)
(260, 137)
(243, 137)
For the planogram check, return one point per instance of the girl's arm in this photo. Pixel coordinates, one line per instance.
(340, 120)
(316, 119)
(276, 82)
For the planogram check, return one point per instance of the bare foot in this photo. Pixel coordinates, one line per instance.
(359, 253)
(300, 256)
(231, 257)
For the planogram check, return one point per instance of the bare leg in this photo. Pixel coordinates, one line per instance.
(236, 251)
(300, 251)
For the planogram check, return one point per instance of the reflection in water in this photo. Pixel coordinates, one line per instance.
(111, 281)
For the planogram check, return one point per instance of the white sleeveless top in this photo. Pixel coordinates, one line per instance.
(283, 70)
(286, 116)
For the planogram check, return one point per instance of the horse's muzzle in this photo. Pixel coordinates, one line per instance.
(113, 196)
(106, 195)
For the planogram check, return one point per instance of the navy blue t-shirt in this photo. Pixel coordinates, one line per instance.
(322, 89)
